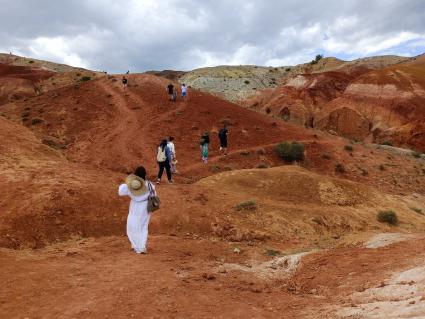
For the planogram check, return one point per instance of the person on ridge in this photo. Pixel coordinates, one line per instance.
(170, 90)
(205, 141)
(222, 135)
(164, 157)
(172, 148)
(138, 188)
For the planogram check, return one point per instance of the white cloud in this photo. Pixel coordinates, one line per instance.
(185, 34)
(55, 49)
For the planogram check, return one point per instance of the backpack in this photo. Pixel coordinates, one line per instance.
(161, 157)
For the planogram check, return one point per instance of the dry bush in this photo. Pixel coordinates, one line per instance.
(246, 205)
(417, 210)
(387, 216)
(290, 152)
(348, 148)
(339, 168)
(263, 165)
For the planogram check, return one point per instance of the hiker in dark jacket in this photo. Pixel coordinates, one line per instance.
(164, 158)
(222, 135)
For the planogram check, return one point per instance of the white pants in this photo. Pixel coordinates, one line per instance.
(137, 229)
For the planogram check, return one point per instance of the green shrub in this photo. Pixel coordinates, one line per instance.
(416, 154)
(263, 165)
(389, 143)
(339, 168)
(290, 152)
(348, 148)
(387, 216)
(363, 171)
(272, 252)
(85, 78)
(316, 59)
(246, 205)
(31, 61)
(36, 120)
(417, 210)
(381, 167)
(215, 168)
(246, 82)
(244, 153)
(288, 69)
(326, 156)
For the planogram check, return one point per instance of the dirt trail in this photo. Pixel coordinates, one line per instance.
(101, 278)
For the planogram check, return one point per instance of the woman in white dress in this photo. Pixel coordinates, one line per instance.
(137, 188)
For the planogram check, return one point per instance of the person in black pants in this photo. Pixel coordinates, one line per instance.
(164, 157)
(222, 135)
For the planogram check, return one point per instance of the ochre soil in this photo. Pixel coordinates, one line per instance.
(63, 154)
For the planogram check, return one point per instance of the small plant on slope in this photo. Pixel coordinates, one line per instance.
(247, 205)
(348, 148)
(387, 216)
(290, 152)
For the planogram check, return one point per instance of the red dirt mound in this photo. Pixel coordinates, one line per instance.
(17, 82)
(97, 132)
(382, 105)
(45, 198)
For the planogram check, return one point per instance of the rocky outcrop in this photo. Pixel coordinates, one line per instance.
(358, 101)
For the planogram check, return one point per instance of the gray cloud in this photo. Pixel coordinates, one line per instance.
(157, 34)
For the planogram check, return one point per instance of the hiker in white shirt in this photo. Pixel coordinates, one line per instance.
(184, 91)
(172, 148)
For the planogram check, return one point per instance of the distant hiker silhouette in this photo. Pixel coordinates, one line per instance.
(128, 72)
(164, 158)
(222, 135)
(171, 92)
(139, 189)
(205, 141)
(124, 82)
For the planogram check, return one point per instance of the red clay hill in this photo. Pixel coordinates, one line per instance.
(97, 126)
(362, 102)
(258, 236)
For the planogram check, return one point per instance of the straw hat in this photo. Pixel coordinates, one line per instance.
(136, 185)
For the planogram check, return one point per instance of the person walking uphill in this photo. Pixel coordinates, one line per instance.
(171, 92)
(172, 148)
(164, 158)
(124, 82)
(205, 141)
(138, 189)
(222, 135)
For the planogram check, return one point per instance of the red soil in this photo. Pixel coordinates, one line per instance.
(17, 82)
(381, 105)
(62, 156)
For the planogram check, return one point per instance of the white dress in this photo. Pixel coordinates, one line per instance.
(138, 218)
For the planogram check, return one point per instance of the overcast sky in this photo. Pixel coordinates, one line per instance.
(140, 35)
